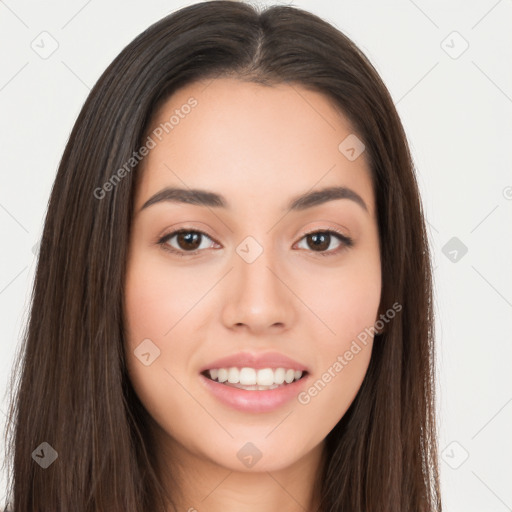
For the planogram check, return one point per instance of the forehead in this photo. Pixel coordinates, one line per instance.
(251, 142)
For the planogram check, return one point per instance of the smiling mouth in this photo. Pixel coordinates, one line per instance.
(250, 379)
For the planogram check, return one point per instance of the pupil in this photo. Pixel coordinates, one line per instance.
(189, 238)
(320, 244)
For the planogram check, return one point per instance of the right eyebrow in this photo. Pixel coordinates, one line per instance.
(189, 196)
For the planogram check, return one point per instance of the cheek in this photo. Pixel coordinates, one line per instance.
(333, 389)
(152, 309)
(343, 354)
(348, 306)
(346, 300)
(156, 300)
(158, 296)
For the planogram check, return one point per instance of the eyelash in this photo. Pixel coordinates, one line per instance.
(346, 242)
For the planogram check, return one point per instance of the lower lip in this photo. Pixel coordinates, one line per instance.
(252, 400)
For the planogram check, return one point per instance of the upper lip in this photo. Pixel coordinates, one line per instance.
(256, 361)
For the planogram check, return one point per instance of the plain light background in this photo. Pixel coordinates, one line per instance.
(447, 66)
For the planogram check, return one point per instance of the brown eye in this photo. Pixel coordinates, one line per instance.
(185, 241)
(321, 241)
(189, 240)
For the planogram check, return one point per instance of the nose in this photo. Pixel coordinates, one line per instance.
(258, 298)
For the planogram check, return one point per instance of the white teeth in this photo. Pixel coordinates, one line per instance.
(265, 377)
(233, 375)
(222, 374)
(247, 377)
(279, 375)
(252, 377)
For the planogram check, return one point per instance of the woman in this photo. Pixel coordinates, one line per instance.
(233, 301)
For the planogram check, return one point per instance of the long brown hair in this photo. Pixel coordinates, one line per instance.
(72, 390)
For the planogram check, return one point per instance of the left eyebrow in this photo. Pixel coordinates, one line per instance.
(211, 199)
(316, 197)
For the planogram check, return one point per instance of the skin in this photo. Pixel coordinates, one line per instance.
(259, 147)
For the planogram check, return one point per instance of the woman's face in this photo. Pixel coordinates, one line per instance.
(255, 282)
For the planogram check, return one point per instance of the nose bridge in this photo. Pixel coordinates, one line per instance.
(254, 261)
(257, 296)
